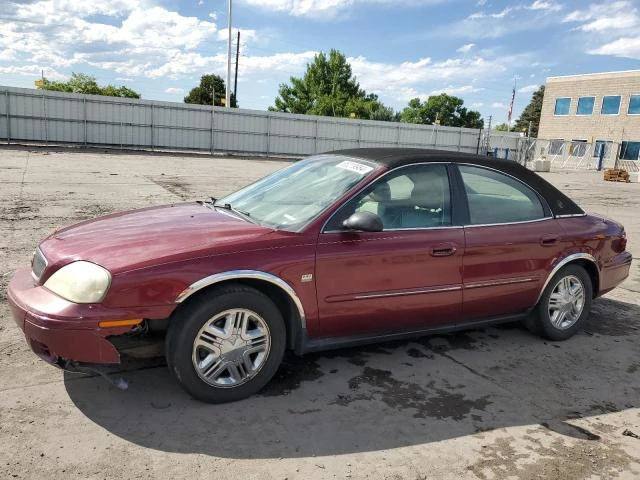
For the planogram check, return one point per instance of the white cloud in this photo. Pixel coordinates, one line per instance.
(477, 105)
(424, 77)
(174, 90)
(614, 25)
(511, 19)
(529, 88)
(451, 90)
(139, 39)
(498, 105)
(545, 5)
(481, 3)
(623, 47)
(32, 71)
(327, 8)
(466, 48)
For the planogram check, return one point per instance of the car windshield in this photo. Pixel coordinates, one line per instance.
(290, 198)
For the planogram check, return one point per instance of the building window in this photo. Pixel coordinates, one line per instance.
(610, 105)
(585, 105)
(630, 151)
(562, 106)
(578, 148)
(634, 105)
(556, 147)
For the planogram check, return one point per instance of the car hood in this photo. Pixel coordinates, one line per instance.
(139, 238)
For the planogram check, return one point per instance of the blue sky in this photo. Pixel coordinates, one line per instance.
(399, 49)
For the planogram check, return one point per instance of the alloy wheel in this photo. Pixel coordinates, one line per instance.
(231, 348)
(566, 302)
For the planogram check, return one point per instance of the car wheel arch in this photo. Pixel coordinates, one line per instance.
(279, 291)
(583, 259)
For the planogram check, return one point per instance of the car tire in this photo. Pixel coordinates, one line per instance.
(226, 345)
(564, 306)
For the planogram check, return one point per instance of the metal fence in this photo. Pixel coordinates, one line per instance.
(28, 115)
(570, 155)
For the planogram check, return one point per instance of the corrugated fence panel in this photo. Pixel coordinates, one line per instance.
(57, 117)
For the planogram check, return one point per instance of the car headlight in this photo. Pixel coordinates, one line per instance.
(80, 282)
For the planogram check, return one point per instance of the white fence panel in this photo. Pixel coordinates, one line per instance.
(64, 118)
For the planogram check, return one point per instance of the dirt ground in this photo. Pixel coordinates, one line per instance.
(496, 403)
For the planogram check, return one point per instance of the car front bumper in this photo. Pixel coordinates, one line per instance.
(57, 329)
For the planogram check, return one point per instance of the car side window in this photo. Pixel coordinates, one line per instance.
(417, 196)
(497, 198)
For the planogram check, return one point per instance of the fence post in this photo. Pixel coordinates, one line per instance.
(6, 94)
(600, 157)
(359, 132)
(44, 118)
(212, 128)
(317, 133)
(479, 139)
(398, 136)
(152, 127)
(84, 108)
(268, 132)
(459, 138)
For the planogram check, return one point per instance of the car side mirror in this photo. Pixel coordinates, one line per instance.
(364, 222)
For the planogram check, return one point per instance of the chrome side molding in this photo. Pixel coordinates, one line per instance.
(245, 275)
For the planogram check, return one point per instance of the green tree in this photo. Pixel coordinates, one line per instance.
(446, 109)
(202, 94)
(329, 88)
(531, 113)
(501, 127)
(83, 83)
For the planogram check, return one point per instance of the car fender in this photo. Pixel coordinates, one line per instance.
(561, 262)
(299, 327)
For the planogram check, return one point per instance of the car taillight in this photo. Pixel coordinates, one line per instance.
(619, 244)
(623, 241)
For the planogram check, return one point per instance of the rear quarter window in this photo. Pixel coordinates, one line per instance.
(497, 198)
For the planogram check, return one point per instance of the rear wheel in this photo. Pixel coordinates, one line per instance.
(565, 304)
(227, 346)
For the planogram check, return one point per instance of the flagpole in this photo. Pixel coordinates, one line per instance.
(513, 97)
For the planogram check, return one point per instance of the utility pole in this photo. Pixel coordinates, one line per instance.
(235, 83)
(228, 95)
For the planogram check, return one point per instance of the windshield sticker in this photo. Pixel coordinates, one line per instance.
(355, 167)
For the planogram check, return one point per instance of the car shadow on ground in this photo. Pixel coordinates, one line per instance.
(390, 395)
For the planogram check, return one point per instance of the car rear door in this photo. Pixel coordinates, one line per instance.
(511, 239)
(406, 277)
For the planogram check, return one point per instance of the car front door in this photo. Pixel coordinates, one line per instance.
(406, 277)
(511, 239)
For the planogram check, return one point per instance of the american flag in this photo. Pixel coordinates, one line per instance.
(513, 97)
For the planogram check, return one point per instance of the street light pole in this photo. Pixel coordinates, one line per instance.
(228, 95)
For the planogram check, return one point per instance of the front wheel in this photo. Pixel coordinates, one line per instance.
(565, 304)
(226, 347)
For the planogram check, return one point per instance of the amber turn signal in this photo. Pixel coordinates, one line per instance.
(119, 323)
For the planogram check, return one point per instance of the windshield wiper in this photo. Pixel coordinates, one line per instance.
(209, 202)
(227, 206)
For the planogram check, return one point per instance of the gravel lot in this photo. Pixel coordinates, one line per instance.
(490, 404)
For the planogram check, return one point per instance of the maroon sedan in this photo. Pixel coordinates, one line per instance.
(344, 248)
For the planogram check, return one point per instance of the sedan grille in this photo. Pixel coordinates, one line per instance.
(38, 264)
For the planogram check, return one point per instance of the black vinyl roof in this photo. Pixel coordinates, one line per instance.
(391, 158)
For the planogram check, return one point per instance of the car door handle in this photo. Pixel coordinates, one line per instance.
(443, 250)
(548, 240)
